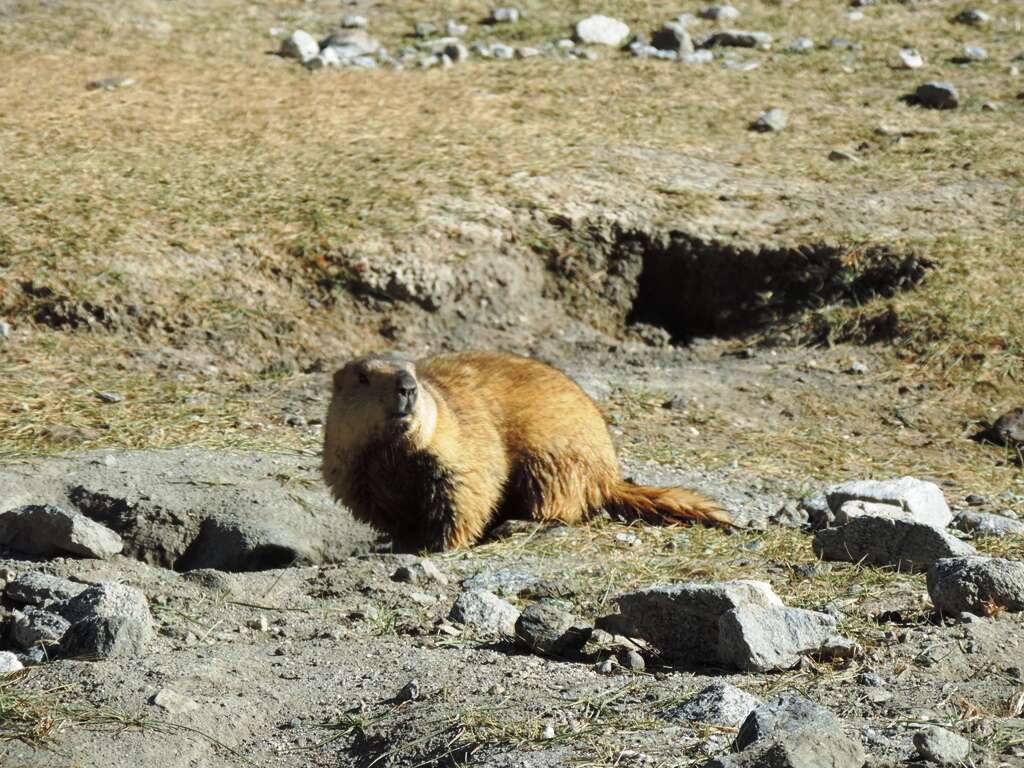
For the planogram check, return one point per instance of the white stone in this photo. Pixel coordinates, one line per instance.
(9, 663)
(909, 58)
(921, 499)
(602, 30)
(299, 45)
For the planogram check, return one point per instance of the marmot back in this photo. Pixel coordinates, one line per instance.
(437, 452)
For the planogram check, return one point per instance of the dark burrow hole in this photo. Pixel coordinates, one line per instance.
(693, 287)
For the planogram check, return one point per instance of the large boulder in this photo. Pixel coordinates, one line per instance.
(756, 639)
(896, 540)
(921, 500)
(107, 620)
(979, 585)
(51, 531)
(222, 509)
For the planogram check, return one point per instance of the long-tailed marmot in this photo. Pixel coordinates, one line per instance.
(436, 452)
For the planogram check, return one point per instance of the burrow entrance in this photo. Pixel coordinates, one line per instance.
(694, 287)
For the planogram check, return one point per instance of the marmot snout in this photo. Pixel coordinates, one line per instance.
(437, 452)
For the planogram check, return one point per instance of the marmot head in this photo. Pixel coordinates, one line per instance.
(377, 399)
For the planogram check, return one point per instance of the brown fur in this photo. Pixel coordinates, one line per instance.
(493, 437)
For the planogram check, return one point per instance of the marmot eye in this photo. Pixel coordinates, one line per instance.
(364, 379)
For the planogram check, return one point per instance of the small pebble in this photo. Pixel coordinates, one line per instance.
(109, 397)
(410, 691)
(770, 121)
(549, 732)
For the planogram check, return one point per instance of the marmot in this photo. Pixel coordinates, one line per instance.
(438, 451)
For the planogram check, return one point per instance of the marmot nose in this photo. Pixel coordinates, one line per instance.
(406, 392)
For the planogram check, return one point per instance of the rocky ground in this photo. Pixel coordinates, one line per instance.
(778, 260)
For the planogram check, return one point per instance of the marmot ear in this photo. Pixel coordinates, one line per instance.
(338, 378)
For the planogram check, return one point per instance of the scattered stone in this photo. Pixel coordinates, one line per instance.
(673, 37)
(173, 702)
(937, 745)
(736, 38)
(909, 58)
(632, 661)
(409, 692)
(601, 30)
(801, 45)
(503, 52)
(424, 29)
(432, 572)
(717, 704)
(973, 53)
(103, 84)
(768, 639)
(35, 588)
(485, 612)
(405, 574)
(896, 541)
(990, 106)
(676, 403)
(548, 627)
(937, 95)
(771, 120)
(844, 156)
(527, 52)
(972, 17)
(549, 732)
(987, 524)
(260, 624)
(9, 663)
(656, 614)
(37, 628)
(782, 716)
(49, 531)
(921, 499)
(504, 16)
(978, 585)
(805, 748)
(871, 680)
(349, 44)
(452, 28)
(107, 620)
(843, 44)
(353, 21)
(299, 45)
(605, 667)
(719, 13)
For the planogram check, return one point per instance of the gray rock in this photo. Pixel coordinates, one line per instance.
(326, 59)
(452, 28)
(37, 628)
(103, 84)
(972, 17)
(937, 95)
(299, 45)
(899, 542)
(718, 704)
(973, 53)
(173, 702)
(987, 524)
(350, 43)
(35, 588)
(5, 327)
(548, 627)
(921, 499)
(424, 29)
(633, 661)
(456, 51)
(850, 510)
(719, 13)
(673, 37)
(736, 38)
(504, 16)
(9, 663)
(702, 56)
(909, 58)
(771, 120)
(757, 639)
(503, 52)
(782, 716)
(485, 612)
(409, 692)
(976, 585)
(843, 156)
(937, 745)
(806, 748)
(601, 30)
(109, 397)
(157, 501)
(527, 52)
(818, 512)
(49, 531)
(107, 620)
(681, 620)
(801, 45)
